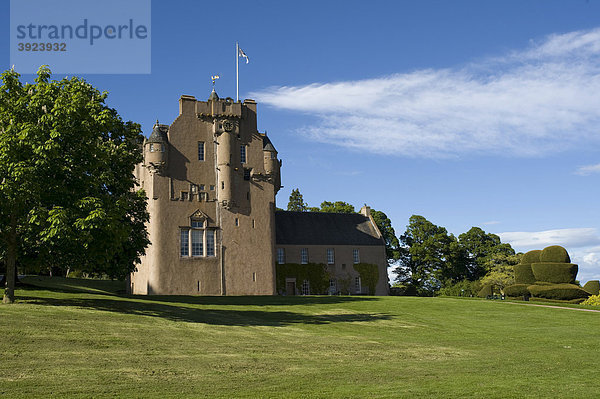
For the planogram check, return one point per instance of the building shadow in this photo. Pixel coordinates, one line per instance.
(154, 307)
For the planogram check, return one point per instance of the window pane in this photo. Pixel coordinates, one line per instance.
(330, 256)
(197, 223)
(185, 243)
(356, 255)
(201, 151)
(304, 255)
(280, 256)
(210, 243)
(197, 242)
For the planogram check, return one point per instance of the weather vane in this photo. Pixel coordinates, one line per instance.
(214, 78)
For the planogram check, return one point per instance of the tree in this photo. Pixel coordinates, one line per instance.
(482, 248)
(500, 270)
(296, 202)
(337, 207)
(392, 245)
(429, 257)
(67, 190)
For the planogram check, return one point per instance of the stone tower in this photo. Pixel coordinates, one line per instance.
(211, 180)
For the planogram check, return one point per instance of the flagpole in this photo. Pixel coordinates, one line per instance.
(237, 72)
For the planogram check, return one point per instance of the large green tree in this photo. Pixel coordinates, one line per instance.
(67, 191)
(336, 207)
(484, 250)
(429, 257)
(392, 245)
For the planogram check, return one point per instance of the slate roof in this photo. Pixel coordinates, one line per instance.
(319, 228)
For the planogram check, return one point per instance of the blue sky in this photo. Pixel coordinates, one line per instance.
(470, 113)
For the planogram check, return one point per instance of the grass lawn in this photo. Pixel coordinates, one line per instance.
(78, 338)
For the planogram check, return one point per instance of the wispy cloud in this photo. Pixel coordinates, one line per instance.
(569, 238)
(491, 222)
(588, 170)
(526, 103)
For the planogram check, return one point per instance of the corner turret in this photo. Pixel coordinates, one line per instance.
(156, 148)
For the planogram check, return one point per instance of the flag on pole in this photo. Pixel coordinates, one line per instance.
(243, 55)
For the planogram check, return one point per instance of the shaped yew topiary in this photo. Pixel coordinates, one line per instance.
(516, 290)
(558, 291)
(523, 274)
(593, 287)
(556, 273)
(554, 254)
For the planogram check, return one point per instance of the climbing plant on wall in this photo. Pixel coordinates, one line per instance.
(315, 273)
(369, 275)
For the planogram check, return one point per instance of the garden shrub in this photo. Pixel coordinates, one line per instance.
(523, 274)
(460, 288)
(517, 290)
(593, 287)
(558, 291)
(554, 254)
(531, 257)
(369, 275)
(555, 272)
(315, 273)
(486, 291)
(576, 300)
(594, 300)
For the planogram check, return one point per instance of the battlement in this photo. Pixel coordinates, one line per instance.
(223, 107)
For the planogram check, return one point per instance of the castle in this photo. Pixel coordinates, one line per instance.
(211, 180)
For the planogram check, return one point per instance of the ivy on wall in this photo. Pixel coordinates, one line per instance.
(369, 275)
(315, 273)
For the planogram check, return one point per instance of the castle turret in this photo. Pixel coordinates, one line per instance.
(224, 131)
(271, 163)
(156, 148)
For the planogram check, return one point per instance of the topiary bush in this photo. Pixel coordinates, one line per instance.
(555, 272)
(517, 290)
(593, 287)
(554, 254)
(558, 291)
(531, 257)
(524, 274)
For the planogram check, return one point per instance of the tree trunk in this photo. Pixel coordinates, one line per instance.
(11, 261)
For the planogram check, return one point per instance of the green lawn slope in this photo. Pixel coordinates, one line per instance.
(82, 338)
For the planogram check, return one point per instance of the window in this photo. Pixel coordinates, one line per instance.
(202, 240)
(280, 256)
(237, 221)
(332, 286)
(356, 256)
(247, 174)
(197, 244)
(305, 288)
(201, 187)
(243, 154)
(210, 243)
(184, 195)
(330, 256)
(357, 285)
(212, 187)
(193, 188)
(253, 224)
(203, 196)
(156, 147)
(201, 151)
(184, 242)
(304, 256)
(254, 276)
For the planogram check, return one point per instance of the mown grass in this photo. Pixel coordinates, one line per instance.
(78, 338)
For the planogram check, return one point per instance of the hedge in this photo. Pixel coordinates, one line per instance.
(516, 290)
(555, 254)
(524, 274)
(555, 272)
(531, 257)
(593, 287)
(558, 291)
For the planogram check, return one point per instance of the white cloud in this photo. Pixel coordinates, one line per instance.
(526, 103)
(588, 169)
(568, 238)
(491, 222)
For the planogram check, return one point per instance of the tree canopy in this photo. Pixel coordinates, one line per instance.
(67, 193)
(431, 258)
(296, 202)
